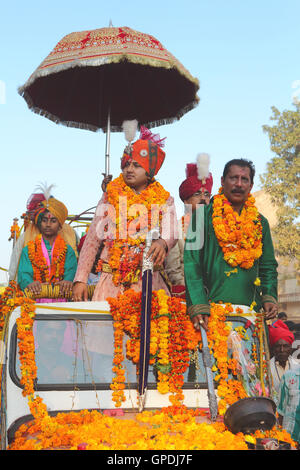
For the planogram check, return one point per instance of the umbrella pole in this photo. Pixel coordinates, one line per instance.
(107, 146)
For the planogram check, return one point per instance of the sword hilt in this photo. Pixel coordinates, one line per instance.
(147, 263)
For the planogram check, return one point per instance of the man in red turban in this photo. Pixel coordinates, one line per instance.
(281, 340)
(194, 190)
(280, 331)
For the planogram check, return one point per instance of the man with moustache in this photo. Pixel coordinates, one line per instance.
(281, 339)
(251, 282)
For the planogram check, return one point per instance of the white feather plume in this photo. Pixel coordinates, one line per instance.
(203, 161)
(46, 190)
(129, 129)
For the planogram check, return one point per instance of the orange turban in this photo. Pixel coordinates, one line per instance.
(146, 151)
(149, 155)
(57, 208)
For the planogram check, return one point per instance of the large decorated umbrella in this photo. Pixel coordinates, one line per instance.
(97, 79)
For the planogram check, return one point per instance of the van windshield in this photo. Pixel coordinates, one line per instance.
(80, 351)
(75, 351)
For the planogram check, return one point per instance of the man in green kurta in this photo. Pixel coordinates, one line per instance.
(209, 278)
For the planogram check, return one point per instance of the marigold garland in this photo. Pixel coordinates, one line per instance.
(229, 390)
(185, 222)
(14, 231)
(172, 337)
(151, 430)
(239, 236)
(41, 271)
(126, 247)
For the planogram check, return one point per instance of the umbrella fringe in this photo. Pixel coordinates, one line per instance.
(52, 117)
(90, 127)
(96, 62)
(170, 120)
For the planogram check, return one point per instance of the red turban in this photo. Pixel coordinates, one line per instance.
(279, 330)
(34, 200)
(197, 177)
(191, 185)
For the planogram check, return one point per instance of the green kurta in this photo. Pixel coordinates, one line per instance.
(205, 272)
(25, 271)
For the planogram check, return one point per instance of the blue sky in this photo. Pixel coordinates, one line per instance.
(245, 55)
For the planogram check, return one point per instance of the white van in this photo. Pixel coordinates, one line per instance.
(74, 353)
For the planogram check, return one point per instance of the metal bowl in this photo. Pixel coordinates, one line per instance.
(250, 414)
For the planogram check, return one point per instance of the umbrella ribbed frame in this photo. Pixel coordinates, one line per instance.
(45, 80)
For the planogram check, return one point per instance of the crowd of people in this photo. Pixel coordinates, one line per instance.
(220, 251)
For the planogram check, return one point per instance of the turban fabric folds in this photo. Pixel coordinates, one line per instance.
(279, 330)
(147, 154)
(57, 208)
(197, 177)
(146, 151)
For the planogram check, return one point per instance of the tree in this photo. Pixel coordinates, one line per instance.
(282, 181)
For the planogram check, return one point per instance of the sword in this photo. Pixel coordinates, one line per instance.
(147, 271)
(212, 399)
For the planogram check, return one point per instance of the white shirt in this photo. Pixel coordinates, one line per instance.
(277, 370)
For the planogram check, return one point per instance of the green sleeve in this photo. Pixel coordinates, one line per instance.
(196, 297)
(25, 271)
(267, 269)
(70, 264)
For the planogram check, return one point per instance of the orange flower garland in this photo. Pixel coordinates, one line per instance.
(126, 249)
(14, 231)
(39, 264)
(229, 390)
(151, 430)
(239, 236)
(11, 298)
(185, 222)
(172, 337)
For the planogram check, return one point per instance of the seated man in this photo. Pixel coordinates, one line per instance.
(133, 204)
(48, 259)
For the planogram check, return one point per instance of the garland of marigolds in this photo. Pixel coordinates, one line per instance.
(172, 336)
(239, 236)
(41, 271)
(160, 430)
(131, 228)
